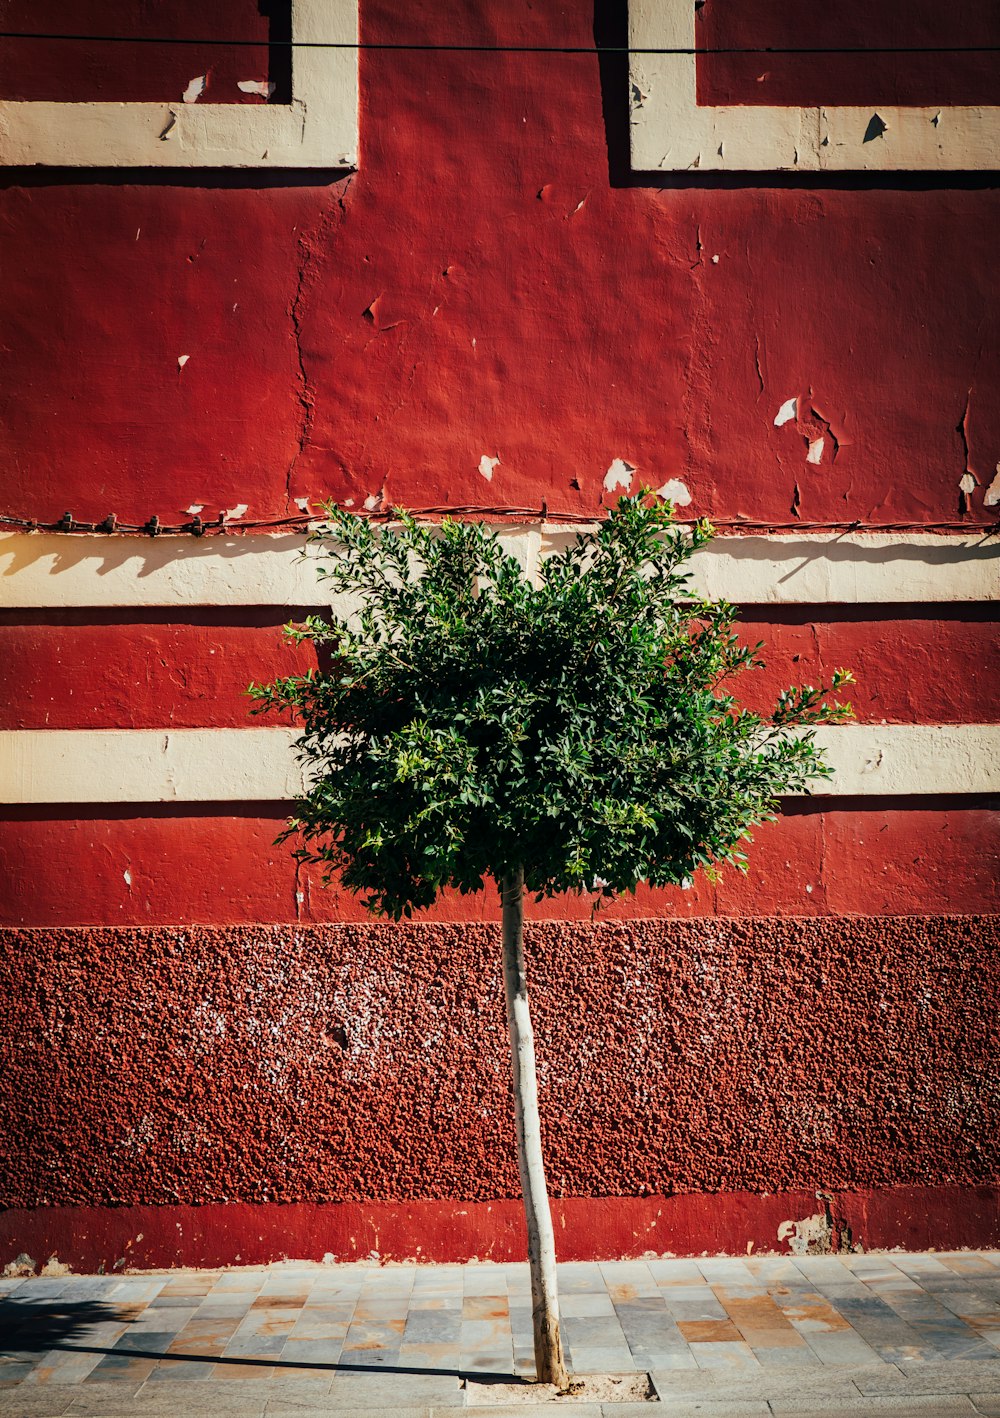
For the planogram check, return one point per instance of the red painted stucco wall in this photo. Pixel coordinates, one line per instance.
(491, 281)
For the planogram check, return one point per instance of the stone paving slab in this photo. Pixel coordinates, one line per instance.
(900, 1334)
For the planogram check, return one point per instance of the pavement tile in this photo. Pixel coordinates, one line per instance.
(696, 1408)
(371, 1390)
(59, 1366)
(951, 1407)
(121, 1366)
(320, 1320)
(602, 1330)
(971, 1262)
(847, 1350)
(593, 1359)
(484, 1280)
(781, 1357)
(760, 1321)
(818, 1385)
(279, 1410)
(988, 1404)
(324, 1352)
(724, 1355)
(649, 1359)
(585, 1303)
(170, 1370)
(243, 1371)
(485, 1307)
(721, 1331)
(432, 1327)
(941, 1377)
(544, 1410)
(691, 1303)
(35, 1403)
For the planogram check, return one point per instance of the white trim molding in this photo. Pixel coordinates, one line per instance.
(40, 570)
(672, 132)
(259, 765)
(319, 128)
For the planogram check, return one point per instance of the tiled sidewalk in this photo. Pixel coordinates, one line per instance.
(893, 1334)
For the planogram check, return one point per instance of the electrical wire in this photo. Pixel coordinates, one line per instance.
(198, 527)
(390, 47)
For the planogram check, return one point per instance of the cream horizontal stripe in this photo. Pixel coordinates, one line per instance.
(240, 765)
(50, 570)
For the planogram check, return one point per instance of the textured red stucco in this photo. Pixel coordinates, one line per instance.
(370, 1064)
(103, 670)
(481, 286)
(79, 71)
(217, 863)
(879, 77)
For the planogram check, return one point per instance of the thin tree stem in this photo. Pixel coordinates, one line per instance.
(550, 1366)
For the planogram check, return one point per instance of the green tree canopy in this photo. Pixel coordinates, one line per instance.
(472, 722)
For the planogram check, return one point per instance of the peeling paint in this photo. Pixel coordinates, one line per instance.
(675, 491)
(486, 466)
(256, 86)
(21, 1265)
(240, 510)
(788, 411)
(619, 475)
(815, 454)
(195, 508)
(182, 361)
(195, 89)
(991, 497)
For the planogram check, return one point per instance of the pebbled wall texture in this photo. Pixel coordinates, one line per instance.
(207, 1058)
(721, 1061)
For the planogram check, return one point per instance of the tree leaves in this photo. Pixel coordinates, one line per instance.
(470, 722)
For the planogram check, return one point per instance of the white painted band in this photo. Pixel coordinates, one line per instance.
(672, 131)
(257, 764)
(53, 570)
(319, 128)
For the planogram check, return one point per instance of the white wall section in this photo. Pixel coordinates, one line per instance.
(319, 128)
(258, 764)
(671, 131)
(53, 569)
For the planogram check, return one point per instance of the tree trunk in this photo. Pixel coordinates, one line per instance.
(550, 1366)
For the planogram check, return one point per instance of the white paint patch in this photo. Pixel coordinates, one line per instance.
(967, 483)
(373, 502)
(619, 475)
(195, 508)
(486, 466)
(789, 410)
(303, 504)
(256, 86)
(815, 454)
(808, 1236)
(127, 878)
(258, 764)
(676, 492)
(182, 361)
(195, 89)
(240, 510)
(991, 498)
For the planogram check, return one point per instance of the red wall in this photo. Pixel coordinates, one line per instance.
(492, 280)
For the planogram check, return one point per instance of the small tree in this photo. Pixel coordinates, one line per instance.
(576, 735)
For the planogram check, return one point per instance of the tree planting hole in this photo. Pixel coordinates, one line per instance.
(588, 1388)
